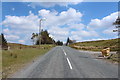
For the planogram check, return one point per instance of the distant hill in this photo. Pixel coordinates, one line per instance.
(97, 45)
(22, 46)
(16, 45)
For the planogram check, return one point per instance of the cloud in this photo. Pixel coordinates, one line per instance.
(60, 25)
(52, 4)
(95, 39)
(77, 27)
(104, 23)
(6, 31)
(11, 37)
(23, 22)
(21, 41)
(59, 33)
(55, 23)
(20, 26)
(109, 31)
(82, 34)
(63, 18)
(95, 28)
(104, 26)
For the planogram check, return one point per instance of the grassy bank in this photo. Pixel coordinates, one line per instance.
(19, 55)
(114, 58)
(97, 45)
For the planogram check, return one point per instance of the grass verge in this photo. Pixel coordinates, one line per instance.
(98, 45)
(16, 58)
(113, 59)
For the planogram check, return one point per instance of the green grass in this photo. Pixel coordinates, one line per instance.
(114, 58)
(97, 45)
(17, 57)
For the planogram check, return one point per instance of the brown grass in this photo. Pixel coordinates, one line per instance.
(97, 45)
(19, 55)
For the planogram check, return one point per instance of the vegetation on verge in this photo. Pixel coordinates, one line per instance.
(19, 55)
(97, 45)
(114, 58)
(44, 38)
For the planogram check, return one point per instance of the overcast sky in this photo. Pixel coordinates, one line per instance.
(81, 21)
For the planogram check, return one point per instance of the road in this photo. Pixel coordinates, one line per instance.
(65, 62)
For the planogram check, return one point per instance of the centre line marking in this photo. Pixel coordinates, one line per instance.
(64, 52)
(69, 63)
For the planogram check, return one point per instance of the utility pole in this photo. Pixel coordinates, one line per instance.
(40, 31)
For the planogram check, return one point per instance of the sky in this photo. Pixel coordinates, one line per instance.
(80, 21)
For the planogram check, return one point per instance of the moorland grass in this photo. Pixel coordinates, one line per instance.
(15, 58)
(97, 45)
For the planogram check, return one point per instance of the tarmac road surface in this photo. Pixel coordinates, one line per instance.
(65, 62)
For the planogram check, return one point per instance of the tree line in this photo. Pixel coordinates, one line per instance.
(44, 38)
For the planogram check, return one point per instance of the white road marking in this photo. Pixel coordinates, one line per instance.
(69, 63)
(67, 59)
(64, 52)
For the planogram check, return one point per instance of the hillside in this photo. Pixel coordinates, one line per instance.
(22, 46)
(16, 46)
(97, 45)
